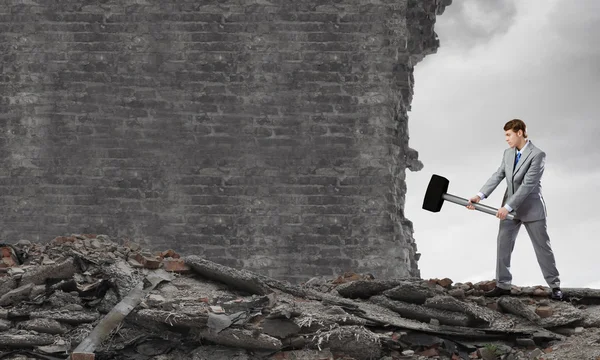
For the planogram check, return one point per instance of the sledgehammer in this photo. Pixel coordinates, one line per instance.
(436, 194)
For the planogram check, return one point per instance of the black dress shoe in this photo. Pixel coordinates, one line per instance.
(497, 292)
(557, 294)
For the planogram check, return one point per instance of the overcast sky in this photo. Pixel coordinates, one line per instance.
(537, 60)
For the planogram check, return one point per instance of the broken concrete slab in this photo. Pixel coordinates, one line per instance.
(579, 295)
(481, 315)
(17, 295)
(256, 283)
(517, 307)
(314, 316)
(280, 328)
(386, 317)
(591, 316)
(382, 315)
(39, 274)
(67, 317)
(422, 313)
(356, 340)
(25, 340)
(240, 279)
(248, 303)
(177, 319)
(59, 347)
(563, 314)
(413, 292)
(37, 291)
(43, 325)
(217, 352)
(365, 288)
(241, 338)
(7, 283)
(418, 339)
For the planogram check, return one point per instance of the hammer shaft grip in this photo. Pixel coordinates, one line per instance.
(480, 207)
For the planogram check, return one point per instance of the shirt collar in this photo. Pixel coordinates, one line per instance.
(524, 146)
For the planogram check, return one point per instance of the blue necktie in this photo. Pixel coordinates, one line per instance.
(518, 157)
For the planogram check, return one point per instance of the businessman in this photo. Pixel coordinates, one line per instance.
(522, 165)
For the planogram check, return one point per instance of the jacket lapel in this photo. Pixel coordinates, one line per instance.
(511, 161)
(524, 155)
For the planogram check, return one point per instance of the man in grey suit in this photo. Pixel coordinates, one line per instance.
(522, 166)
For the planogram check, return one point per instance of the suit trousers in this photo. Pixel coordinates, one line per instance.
(538, 234)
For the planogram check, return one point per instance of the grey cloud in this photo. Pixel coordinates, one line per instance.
(578, 22)
(467, 23)
(568, 85)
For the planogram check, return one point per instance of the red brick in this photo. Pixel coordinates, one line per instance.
(544, 311)
(167, 253)
(429, 352)
(445, 282)
(82, 356)
(147, 262)
(139, 258)
(64, 239)
(540, 292)
(152, 263)
(486, 285)
(7, 257)
(8, 262)
(176, 265)
(5, 251)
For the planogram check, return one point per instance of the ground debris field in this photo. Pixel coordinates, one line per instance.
(88, 297)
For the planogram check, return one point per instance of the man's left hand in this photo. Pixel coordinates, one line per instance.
(502, 212)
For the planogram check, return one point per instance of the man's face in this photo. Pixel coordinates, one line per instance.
(513, 138)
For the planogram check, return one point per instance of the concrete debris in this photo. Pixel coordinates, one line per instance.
(17, 295)
(364, 289)
(85, 296)
(114, 318)
(416, 292)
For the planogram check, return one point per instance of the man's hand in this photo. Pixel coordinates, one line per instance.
(474, 199)
(502, 212)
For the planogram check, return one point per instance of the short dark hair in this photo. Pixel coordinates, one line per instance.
(516, 125)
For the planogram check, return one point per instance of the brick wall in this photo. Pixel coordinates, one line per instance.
(270, 137)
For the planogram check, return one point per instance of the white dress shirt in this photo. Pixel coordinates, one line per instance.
(482, 195)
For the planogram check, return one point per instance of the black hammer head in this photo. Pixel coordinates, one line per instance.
(438, 186)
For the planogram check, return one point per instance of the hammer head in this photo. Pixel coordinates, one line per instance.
(438, 186)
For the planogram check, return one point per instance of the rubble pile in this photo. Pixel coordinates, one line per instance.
(87, 297)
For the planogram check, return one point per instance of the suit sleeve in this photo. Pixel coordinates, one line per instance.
(530, 181)
(494, 180)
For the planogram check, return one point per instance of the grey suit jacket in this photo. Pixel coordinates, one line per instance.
(524, 189)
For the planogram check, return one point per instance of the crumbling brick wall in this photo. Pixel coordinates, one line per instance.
(269, 136)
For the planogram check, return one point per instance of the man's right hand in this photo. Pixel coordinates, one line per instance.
(474, 199)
